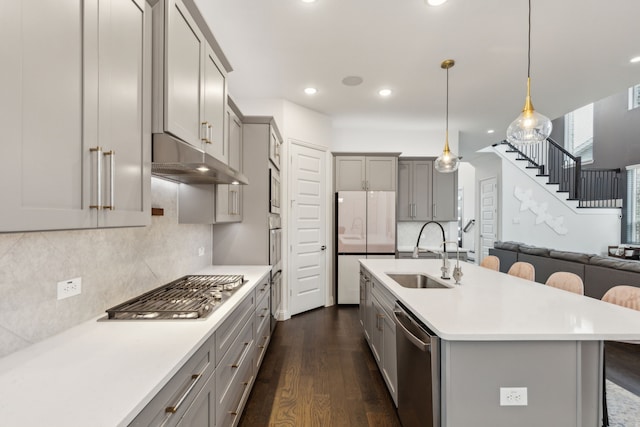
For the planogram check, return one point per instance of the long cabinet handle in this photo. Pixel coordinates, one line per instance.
(194, 380)
(112, 180)
(210, 135)
(98, 151)
(237, 411)
(236, 364)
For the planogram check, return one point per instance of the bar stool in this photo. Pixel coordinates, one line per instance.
(491, 262)
(566, 281)
(624, 295)
(523, 270)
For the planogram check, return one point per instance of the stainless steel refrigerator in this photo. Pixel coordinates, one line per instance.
(365, 228)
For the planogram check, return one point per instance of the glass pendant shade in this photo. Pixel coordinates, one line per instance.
(530, 127)
(447, 162)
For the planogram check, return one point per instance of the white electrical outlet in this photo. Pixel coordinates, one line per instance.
(513, 396)
(69, 288)
(200, 251)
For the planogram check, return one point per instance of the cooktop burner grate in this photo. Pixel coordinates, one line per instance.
(190, 297)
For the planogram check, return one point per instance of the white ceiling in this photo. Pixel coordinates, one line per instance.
(580, 53)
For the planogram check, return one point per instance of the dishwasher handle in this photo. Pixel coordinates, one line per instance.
(406, 323)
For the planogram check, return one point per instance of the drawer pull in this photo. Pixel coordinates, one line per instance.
(237, 363)
(237, 411)
(194, 380)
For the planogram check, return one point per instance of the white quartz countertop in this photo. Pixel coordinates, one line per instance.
(103, 373)
(493, 306)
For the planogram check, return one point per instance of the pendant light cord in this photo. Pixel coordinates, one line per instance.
(447, 112)
(529, 44)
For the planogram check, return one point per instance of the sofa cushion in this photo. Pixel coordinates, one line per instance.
(618, 264)
(534, 250)
(508, 246)
(571, 256)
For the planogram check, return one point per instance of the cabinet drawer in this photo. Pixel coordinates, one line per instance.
(171, 403)
(229, 410)
(263, 336)
(384, 297)
(235, 369)
(262, 290)
(230, 328)
(262, 311)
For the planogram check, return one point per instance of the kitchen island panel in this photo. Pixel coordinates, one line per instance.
(552, 371)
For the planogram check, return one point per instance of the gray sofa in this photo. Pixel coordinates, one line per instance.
(598, 273)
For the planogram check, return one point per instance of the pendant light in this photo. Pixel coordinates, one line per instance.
(447, 162)
(529, 127)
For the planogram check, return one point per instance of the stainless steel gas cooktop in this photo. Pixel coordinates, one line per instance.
(190, 297)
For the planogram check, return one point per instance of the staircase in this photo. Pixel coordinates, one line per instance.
(589, 188)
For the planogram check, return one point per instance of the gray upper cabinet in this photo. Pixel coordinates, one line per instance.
(374, 173)
(425, 194)
(76, 151)
(229, 197)
(415, 190)
(190, 80)
(445, 196)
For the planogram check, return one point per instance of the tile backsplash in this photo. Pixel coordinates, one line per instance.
(431, 236)
(115, 264)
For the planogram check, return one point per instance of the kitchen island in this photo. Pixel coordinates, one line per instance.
(498, 331)
(104, 373)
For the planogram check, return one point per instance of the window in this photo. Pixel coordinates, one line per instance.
(578, 133)
(633, 204)
(634, 97)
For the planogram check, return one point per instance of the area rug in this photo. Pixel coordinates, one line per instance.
(623, 406)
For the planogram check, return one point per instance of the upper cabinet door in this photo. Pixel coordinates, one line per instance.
(445, 196)
(350, 173)
(405, 191)
(215, 98)
(47, 50)
(381, 173)
(422, 190)
(184, 47)
(124, 126)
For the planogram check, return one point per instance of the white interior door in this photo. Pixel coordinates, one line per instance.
(308, 281)
(488, 215)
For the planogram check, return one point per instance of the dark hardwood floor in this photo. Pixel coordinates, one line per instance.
(319, 371)
(622, 362)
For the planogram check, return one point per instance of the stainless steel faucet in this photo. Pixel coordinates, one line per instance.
(457, 270)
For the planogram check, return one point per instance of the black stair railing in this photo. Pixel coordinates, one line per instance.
(590, 187)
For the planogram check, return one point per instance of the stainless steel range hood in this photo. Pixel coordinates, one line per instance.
(178, 161)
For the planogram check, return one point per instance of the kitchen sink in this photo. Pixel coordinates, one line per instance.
(417, 281)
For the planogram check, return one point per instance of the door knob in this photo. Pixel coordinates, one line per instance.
(323, 247)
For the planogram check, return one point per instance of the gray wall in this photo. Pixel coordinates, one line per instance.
(115, 265)
(616, 133)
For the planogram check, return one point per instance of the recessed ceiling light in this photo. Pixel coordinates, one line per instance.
(308, 1)
(435, 2)
(490, 131)
(310, 90)
(384, 92)
(352, 80)
(635, 60)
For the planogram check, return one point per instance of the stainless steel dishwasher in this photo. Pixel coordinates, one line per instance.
(418, 351)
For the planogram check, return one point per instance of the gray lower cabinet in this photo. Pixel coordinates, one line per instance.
(212, 388)
(174, 401)
(376, 308)
(77, 150)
